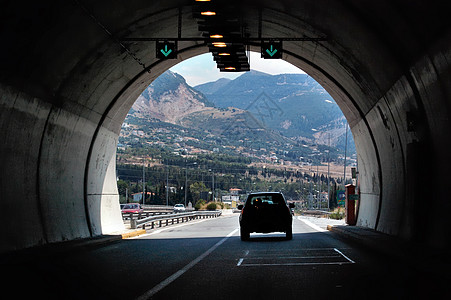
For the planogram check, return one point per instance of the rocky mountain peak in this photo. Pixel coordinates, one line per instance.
(169, 98)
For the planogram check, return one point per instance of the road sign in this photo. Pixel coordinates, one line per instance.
(341, 197)
(354, 197)
(166, 49)
(271, 49)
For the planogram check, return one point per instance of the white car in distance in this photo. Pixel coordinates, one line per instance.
(179, 208)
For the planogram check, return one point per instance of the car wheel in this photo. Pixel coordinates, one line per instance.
(245, 236)
(289, 233)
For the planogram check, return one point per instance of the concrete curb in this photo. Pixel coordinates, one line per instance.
(371, 239)
(133, 233)
(428, 260)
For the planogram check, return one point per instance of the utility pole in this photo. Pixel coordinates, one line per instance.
(328, 176)
(311, 190)
(186, 182)
(186, 178)
(167, 186)
(144, 182)
(213, 186)
(318, 181)
(346, 149)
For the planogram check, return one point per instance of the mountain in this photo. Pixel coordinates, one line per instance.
(294, 105)
(255, 106)
(169, 98)
(212, 87)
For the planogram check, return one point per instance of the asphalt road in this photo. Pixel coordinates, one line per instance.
(207, 260)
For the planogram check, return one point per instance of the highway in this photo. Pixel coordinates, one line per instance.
(206, 259)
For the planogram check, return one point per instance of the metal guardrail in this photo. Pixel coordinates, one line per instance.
(184, 217)
(147, 213)
(157, 207)
(144, 214)
(315, 212)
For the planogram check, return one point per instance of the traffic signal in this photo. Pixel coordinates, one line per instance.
(166, 49)
(271, 49)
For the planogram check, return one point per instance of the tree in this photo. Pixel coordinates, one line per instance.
(122, 187)
(196, 189)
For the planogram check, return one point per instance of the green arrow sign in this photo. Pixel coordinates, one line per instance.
(271, 49)
(166, 49)
(166, 52)
(271, 52)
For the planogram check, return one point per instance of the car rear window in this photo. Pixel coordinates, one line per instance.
(266, 200)
(131, 206)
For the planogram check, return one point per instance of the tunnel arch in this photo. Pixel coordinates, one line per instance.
(60, 122)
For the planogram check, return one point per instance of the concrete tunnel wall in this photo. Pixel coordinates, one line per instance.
(67, 84)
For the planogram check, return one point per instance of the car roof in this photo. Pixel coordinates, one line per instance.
(265, 193)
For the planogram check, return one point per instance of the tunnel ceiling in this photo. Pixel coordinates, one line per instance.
(68, 77)
(48, 44)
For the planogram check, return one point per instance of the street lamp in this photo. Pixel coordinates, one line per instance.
(186, 178)
(212, 185)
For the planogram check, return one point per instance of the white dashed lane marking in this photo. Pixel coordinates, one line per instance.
(298, 257)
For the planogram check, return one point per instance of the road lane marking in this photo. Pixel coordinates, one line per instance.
(169, 228)
(240, 262)
(316, 227)
(353, 262)
(293, 257)
(241, 259)
(180, 272)
(319, 256)
(295, 264)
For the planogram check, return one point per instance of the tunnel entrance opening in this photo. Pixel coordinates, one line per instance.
(212, 140)
(386, 67)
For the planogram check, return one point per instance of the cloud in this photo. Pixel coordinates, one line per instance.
(273, 66)
(202, 68)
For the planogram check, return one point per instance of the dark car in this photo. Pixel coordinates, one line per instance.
(264, 213)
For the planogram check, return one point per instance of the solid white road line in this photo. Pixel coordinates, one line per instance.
(316, 227)
(169, 228)
(296, 264)
(350, 260)
(180, 272)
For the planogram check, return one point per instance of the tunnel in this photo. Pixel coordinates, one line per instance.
(68, 77)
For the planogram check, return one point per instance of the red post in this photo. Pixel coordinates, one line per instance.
(350, 205)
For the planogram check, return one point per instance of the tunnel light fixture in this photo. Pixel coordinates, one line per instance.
(208, 13)
(203, 0)
(223, 54)
(216, 36)
(219, 44)
(230, 68)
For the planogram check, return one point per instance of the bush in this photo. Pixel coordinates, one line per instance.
(199, 204)
(337, 214)
(211, 206)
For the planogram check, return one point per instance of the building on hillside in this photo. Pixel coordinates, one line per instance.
(234, 191)
(231, 200)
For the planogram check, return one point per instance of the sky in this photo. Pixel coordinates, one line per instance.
(202, 68)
